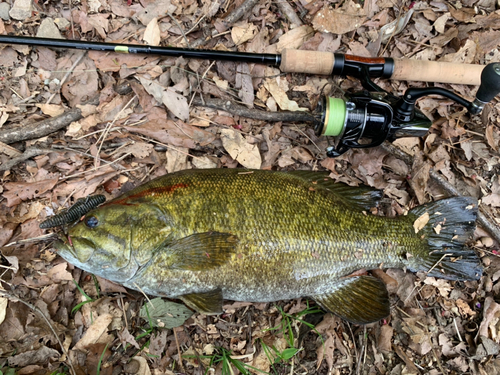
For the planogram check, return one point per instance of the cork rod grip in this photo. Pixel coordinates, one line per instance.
(308, 62)
(435, 71)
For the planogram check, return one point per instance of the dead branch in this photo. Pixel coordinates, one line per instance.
(289, 12)
(240, 110)
(482, 216)
(28, 154)
(45, 127)
(239, 12)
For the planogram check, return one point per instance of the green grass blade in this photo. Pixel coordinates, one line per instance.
(100, 360)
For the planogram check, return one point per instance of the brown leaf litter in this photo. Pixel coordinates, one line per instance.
(129, 118)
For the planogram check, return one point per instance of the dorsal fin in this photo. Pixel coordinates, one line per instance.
(361, 197)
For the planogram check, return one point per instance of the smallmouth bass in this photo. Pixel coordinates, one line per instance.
(260, 236)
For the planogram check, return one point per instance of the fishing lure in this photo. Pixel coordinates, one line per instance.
(74, 213)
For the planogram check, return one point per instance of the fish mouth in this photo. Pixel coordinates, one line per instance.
(63, 246)
(75, 249)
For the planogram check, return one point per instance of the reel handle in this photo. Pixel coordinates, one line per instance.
(490, 83)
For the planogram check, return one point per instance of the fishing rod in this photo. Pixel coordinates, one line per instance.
(360, 120)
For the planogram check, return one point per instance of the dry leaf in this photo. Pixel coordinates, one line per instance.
(172, 133)
(203, 162)
(492, 136)
(33, 211)
(408, 144)
(100, 24)
(158, 8)
(246, 154)
(8, 57)
(41, 355)
(177, 159)
(465, 55)
(221, 83)
(464, 308)
(419, 335)
(385, 338)
(9, 150)
(20, 191)
(3, 308)
(152, 33)
(126, 337)
(277, 87)
(491, 316)
(3, 118)
(262, 362)
(273, 150)
(242, 32)
(95, 331)
(491, 200)
(339, 21)
(440, 23)
(395, 27)
(294, 38)
(152, 87)
(176, 103)
(328, 327)
(59, 273)
(74, 129)
(113, 62)
(107, 286)
(244, 83)
(388, 280)
(443, 286)
(143, 365)
(94, 5)
(83, 83)
(421, 222)
(199, 116)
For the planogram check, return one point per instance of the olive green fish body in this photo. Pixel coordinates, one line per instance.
(260, 236)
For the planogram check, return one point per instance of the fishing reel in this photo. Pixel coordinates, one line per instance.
(366, 119)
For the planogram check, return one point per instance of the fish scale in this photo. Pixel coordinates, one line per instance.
(263, 236)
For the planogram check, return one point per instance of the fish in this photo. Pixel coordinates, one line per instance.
(206, 235)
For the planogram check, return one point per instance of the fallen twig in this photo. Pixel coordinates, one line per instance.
(239, 110)
(28, 154)
(45, 127)
(289, 12)
(239, 12)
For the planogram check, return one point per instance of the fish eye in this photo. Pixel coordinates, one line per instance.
(91, 222)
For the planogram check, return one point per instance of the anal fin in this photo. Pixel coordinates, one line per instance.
(359, 299)
(209, 303)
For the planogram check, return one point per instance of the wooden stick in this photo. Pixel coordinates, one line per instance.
(45, 127)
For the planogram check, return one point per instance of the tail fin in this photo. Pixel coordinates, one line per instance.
(451, 222)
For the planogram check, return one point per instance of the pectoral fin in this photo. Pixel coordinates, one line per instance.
(360, 299)
(202, 251)
(209, 303)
